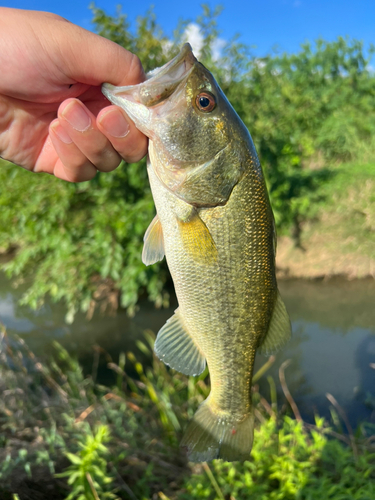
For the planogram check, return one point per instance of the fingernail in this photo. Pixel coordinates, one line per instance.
(77, 116)
(115, 123)
(61, 133)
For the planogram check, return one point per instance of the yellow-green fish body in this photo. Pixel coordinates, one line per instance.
(215, 226)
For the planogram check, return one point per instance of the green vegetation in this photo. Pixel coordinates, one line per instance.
(87, 475)
(339, 237)
(351, 196)
(51, 446)
(80, 242)
(306, 112)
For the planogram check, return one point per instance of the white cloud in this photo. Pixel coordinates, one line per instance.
(217, 47)
(195, 38)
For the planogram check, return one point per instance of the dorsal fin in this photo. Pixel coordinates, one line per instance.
(176, 348)
(153, 248)
(279, 331)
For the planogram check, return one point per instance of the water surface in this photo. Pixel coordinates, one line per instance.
(331, 350)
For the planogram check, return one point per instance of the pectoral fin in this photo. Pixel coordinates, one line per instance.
(176, 348)
(279, 331)
(153, 248)
(197, 240)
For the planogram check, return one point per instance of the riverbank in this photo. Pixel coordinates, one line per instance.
(339, 237)
(322, 257)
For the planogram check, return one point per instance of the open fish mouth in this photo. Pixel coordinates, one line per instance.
(160, 83)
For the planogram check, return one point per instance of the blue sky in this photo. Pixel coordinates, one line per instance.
(263, 23)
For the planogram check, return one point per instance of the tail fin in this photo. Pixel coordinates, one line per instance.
(210, 436)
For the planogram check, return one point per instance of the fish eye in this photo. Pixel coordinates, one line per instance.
(205, 102)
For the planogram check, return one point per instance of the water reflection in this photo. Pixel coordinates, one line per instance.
(332, 347)
(335, 303)
(40, 328)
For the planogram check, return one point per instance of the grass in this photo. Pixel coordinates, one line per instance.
(347, 207)
(64, 435)
(339, 239)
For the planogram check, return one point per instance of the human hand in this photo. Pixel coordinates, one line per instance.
(53, 116)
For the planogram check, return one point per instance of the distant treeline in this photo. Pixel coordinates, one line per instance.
(305, 111)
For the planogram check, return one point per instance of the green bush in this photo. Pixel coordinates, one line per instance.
(289, 463)
(80, 242)
(87, 475)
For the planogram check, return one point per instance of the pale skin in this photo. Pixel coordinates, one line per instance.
(53, 116)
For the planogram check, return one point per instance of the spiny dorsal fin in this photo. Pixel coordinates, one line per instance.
(197, 240)
(279, 331)
(153, 248)
(175, 347)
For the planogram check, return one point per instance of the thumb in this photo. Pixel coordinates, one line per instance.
(91, 59)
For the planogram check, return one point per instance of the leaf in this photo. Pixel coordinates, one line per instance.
(73, 458)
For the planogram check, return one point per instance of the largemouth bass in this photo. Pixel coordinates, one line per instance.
(215, 226)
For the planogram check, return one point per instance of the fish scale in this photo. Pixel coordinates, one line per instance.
(215, 226)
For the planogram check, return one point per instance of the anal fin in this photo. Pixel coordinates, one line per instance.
(177, 349)
(153, 248)
(279, 330)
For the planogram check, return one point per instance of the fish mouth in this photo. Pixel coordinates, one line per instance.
(160, 83)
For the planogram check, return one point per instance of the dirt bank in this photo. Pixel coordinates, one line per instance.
(339, 237)
(320, 258)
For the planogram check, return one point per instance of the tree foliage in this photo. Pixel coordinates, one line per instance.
(83, 243)
(305, 111)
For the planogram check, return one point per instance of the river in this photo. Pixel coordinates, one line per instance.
(331, 351)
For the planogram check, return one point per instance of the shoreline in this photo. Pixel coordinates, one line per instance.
(316, 262)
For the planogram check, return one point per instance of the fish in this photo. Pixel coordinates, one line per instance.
(215, 226)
